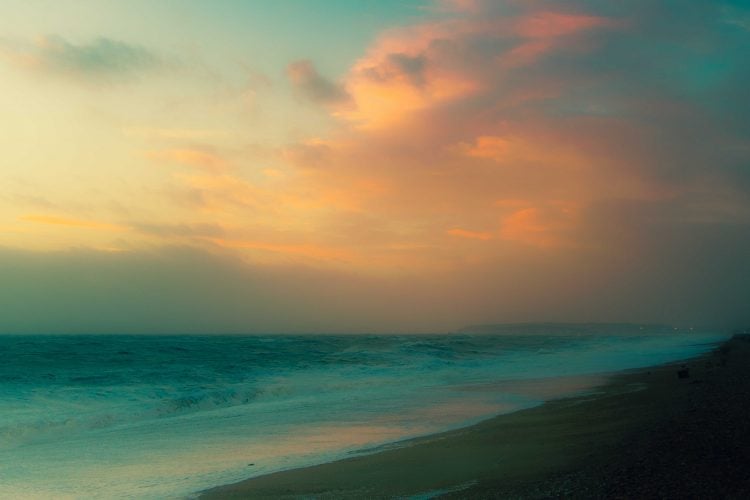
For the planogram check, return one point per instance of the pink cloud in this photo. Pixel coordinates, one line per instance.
(548, 24)
(497, 130)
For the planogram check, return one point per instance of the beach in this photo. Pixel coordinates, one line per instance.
(672, 431)
(169, 416)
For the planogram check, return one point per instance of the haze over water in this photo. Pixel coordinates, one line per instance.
(163, 417)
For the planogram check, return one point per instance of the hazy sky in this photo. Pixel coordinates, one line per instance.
(405, 165)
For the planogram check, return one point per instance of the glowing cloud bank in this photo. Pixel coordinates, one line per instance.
(496, 161)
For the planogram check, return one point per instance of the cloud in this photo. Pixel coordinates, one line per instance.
(306, 79)
(74, 223)
(312, 153)
(173, 231)
(569, 140)
(203, 158)
(569, 101)
(183, 290)
(421, 67)
(472, 235)
(102, 60)
(502, 161)
(176, 133)
(545, 225)
(310, 252)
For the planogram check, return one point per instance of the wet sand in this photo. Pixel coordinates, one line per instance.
(643, 434)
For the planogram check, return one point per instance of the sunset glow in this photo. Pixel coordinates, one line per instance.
(489, 160)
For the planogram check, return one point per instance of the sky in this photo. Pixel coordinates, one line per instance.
(372, 166)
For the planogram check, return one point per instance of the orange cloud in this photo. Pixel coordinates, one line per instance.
(176, 133)
(191, 157)
(312, 153)
(399, 76)
(472, 235)
(221, 192)
(489, 147)
(548, 226)
(63, 221)
(379, 103)
(466, 122)
(427, 65)
(526, 147)
(434, 133)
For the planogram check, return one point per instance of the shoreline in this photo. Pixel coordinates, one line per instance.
(607, 443)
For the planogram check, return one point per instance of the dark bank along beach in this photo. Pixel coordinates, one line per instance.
(679, 430)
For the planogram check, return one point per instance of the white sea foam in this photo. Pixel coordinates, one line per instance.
(163, 417)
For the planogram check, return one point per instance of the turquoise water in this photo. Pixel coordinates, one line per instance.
(166, 416)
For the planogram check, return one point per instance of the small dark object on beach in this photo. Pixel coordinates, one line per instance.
(684, 373)
(250, 465)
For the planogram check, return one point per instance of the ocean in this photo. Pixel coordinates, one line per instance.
(167, 416)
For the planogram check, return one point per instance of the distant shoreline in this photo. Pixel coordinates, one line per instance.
(645, 433)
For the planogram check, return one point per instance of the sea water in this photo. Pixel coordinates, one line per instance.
(168, 416)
